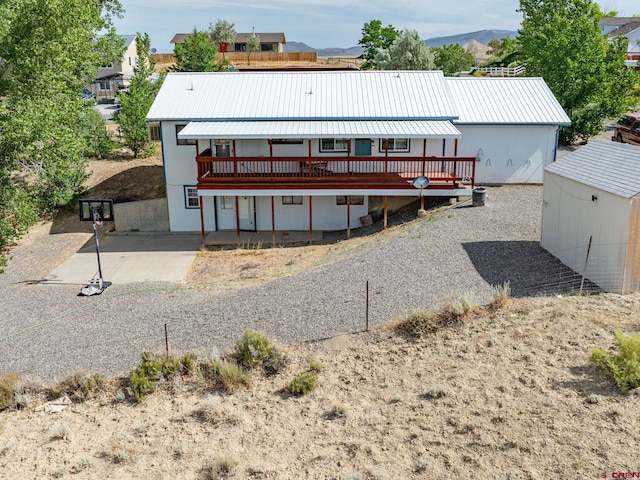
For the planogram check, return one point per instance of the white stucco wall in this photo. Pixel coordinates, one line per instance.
(180, 170)
(508, 154)
(570, 217)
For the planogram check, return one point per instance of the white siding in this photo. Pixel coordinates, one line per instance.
(181, 170)
(570, 217)
(508, 154)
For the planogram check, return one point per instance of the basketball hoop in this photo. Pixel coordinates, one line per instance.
(97, 212)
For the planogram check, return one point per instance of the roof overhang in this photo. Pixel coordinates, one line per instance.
(320, 129)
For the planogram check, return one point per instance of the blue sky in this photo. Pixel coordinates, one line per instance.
(325, 23)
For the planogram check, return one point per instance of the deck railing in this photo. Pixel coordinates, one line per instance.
(444, 172)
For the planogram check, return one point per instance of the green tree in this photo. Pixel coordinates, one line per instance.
(407, 52)
(562, 42)
(222, 32)
(452, 59)
(132, 119)
(504, 52)
(253, 45)
(49, 50)
(197, 54)
(375, 37)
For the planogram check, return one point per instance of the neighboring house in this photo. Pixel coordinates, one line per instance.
(119, 73)
(591, 214)
(318, 150)
(628, 27)
(269, 42)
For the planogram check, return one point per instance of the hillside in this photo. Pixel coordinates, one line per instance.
(506, 394)
(480, 37)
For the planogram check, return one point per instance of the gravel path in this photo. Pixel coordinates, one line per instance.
(48, 331)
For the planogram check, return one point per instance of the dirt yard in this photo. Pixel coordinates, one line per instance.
(510, 394)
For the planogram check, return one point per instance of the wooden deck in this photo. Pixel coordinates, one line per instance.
(333, 172)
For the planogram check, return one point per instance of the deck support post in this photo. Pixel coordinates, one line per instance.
(202, 219)
(385, 213)
(310, 219)
(238, 219)
(348, 217)
(273, 219)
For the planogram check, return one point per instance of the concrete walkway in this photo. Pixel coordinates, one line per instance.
(156, 257)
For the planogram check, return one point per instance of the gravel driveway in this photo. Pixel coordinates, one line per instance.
(48, 331)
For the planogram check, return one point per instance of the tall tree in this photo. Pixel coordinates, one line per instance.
(562, 42)
(132, 119)
(222, 32)
(197, 54)
(407, 52)
(375, 37)
(49, 50)
(253, 45)
(452, 59)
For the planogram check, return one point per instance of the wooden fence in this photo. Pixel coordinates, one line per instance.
(243, 57)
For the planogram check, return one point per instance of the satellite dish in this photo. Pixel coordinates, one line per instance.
(153, 50)
(421, 182)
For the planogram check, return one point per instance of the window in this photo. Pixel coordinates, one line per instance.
(154, 132)
(287, 141)
(226, 203)
(183, 142)
(355, 200)
(291, 200)
(395, 144)
(333, 145)
(191, 198)
(266, 47)
(105, 85)
(108, 65)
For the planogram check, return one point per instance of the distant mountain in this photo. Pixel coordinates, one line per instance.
(472, 39)
(323, 52)
(481, 36)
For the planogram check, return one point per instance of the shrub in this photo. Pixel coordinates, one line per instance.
(228, 374)
(419, 323)
(152, 369)
(7, 384)
(624, 367)
(303, 383)
(314, 365)
(255, 350)
(458, 308)
(436, 391)
(222, 469)
(501, 296)
(79, 387)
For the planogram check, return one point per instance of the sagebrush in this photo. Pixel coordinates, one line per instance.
(623, 367)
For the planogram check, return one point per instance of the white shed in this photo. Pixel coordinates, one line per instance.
(592, 197)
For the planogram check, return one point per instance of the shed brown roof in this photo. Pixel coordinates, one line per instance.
(240, 37)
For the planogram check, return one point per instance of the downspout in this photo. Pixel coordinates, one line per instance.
(555, 149)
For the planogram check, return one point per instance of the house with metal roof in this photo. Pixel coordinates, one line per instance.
(319, 150)
(591, 214)
(269, 42)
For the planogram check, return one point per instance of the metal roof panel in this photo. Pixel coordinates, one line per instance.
(320, 129)
(519, 100)
(609, 166)
(377, 95)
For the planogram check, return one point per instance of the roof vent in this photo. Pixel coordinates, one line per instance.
(310, 92)
(191, 88)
